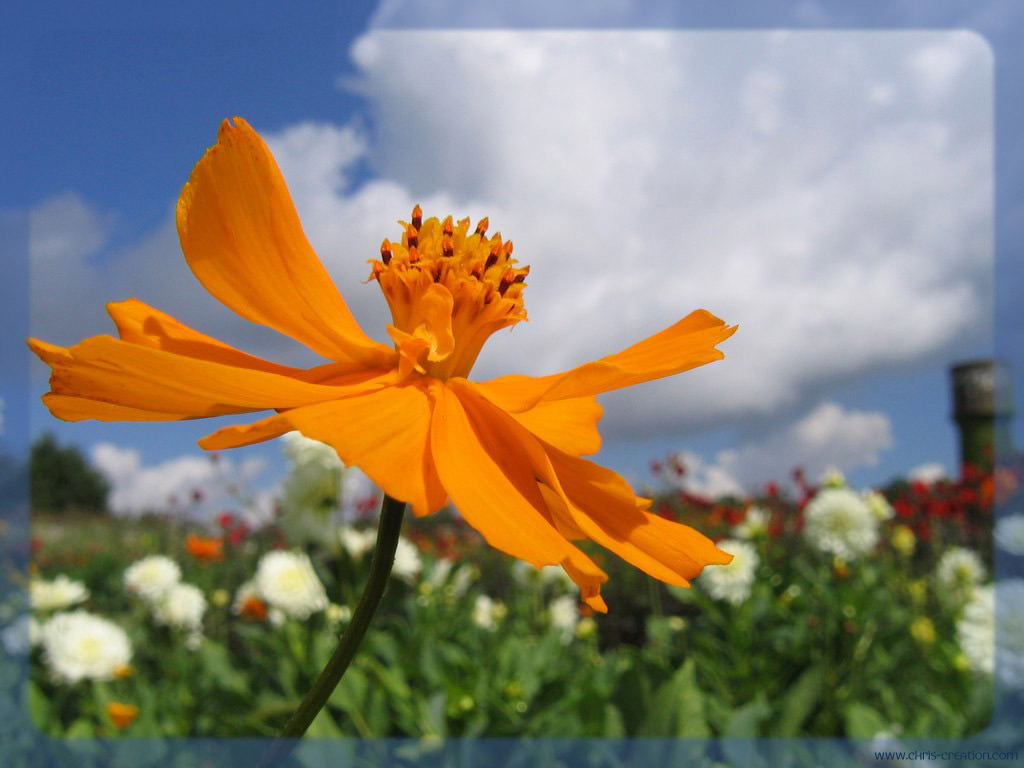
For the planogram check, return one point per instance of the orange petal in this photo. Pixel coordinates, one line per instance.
(243, 240)
(493, 486)
(588, 500)
(605, 509)
(142, 379)
(384, 433)
(570, 425)
(68, 408)
(141, 324)
(680, 347)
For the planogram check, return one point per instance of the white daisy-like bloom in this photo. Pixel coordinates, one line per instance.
(439, 572)
(287, 582)
(879, 505)
(181, 607)
(151, 577)
(407, 561)
(755, 523)
(734, 581)
(839, 521)
(357, 542)
(461, 581)
(527, 574)
(833, 478)
(56, 595)
(276, 617)
(82, 646)
(314, 476)
(1009, 534)
(483, 613)
(959, 571)
(337, 614)
(975, 630)
(555, 574)
(564, 614)
(1010, 633)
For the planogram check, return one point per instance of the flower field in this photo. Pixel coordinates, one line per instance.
(843, 613)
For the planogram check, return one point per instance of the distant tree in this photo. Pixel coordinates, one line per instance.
(63, 480)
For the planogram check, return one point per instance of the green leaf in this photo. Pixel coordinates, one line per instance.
(217, 667)
(38, 706)
(745, 722)
(80, 729)
(678, 707)
(614, 726)
(863, 722)
(324, 727)
(799, 701)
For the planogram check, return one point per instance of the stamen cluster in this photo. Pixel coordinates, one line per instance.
(479, 289)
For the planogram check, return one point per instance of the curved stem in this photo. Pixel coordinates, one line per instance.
(391, 514)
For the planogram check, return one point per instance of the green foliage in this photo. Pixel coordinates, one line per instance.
(818, 648)
(62, 480)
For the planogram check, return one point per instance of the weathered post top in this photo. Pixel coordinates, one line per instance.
(982, 408)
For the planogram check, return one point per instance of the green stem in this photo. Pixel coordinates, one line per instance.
(391, 514)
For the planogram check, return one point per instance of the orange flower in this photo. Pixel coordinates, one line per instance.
(206, 550)
(253, 609)
(123, 715)
(506, 452)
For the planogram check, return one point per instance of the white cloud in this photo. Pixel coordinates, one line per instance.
(844, 223)
(937, 67)
(65, 235)
(196, 486)
(927, 473)
(829, 436)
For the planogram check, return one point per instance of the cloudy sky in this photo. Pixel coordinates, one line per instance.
(830, 191)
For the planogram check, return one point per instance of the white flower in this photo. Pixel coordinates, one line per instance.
(1010, 534)
(337, 614)
(525, 573)
(314, 478)
(357, 542)
(833, 478)
(879, 505)
(1010, 632)
(461, 581)
(483, 613)
(56, 595)
(555, 574)
(82, 646)
(440, 570)
(181, 607)
(959, 571)
(732, 582)
(564, 613)
(839, 521)
(407, 561)
(755, 523)
(152, 576)
(287, 581)
(975, 630)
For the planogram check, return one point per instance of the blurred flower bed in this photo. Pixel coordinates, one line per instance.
(844, 613)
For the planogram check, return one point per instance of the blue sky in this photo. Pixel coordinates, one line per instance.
(880, 215)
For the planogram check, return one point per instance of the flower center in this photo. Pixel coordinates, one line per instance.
(448, 290)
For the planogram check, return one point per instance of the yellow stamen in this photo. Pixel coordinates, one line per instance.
(448, 290)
